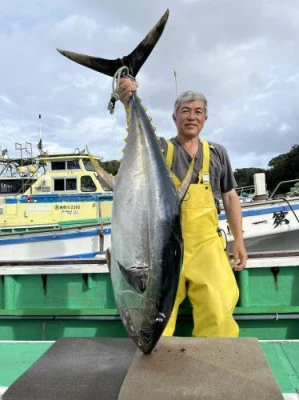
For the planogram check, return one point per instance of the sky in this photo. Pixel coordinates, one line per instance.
(244, 56)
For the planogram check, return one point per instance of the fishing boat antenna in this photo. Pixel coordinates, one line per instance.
(40, 142)
(40, 125)
(175, 81)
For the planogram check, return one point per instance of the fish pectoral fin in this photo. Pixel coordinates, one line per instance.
(107, 178)
(108, 259)
(136, 276)
(183, 187)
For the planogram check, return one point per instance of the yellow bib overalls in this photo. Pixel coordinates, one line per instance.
(206, 277)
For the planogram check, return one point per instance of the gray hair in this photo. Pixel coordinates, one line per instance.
(190, 95)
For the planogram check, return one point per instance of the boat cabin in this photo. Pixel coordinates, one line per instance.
(65, 191)
(70, 173)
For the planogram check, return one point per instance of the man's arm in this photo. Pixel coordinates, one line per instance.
(233, 212)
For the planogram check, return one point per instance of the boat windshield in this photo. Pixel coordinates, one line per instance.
(89, 167)
(87, 184)
(103, 184)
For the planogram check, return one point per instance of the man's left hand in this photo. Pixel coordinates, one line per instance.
(240, 255)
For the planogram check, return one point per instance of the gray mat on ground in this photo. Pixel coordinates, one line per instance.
(205, 368)
(76, 369)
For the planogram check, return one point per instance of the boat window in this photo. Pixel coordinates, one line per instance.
(88, 166)
(73, 164)
(87, 184)
(65, 184)
(15, 185)
(71, 184)
(65, 165)
(57, 165)
(103, 184)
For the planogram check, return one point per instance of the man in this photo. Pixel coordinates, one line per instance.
(207, 277)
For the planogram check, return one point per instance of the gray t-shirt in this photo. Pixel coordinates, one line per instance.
(221, 174)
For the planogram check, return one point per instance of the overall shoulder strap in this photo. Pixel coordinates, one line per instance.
(204, 173)
(170, 153)
(169, 161)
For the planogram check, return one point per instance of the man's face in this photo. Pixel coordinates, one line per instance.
(190, 118)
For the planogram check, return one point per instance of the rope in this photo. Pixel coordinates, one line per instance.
(288, 203)
(120, 73)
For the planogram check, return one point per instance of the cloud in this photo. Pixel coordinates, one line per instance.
(7, 102)
(243, 56)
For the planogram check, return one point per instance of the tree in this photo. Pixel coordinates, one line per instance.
(110, 166)
(244, 176)
(283, 167)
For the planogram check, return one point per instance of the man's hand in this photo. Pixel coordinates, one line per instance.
(126, 89)
(233, 211)
(240, 255)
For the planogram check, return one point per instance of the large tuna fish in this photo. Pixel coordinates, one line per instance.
(146, 244)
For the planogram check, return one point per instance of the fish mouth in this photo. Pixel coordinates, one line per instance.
(133, 61)
(148, 339)
(148, 334)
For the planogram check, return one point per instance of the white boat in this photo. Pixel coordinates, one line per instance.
(269, 223)
(65, 212)
(86, 241)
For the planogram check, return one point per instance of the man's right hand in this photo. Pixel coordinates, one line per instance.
(126, 89)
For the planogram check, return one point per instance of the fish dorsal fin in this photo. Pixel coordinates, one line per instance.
(182, 188)
(107, 178)
(136, 276)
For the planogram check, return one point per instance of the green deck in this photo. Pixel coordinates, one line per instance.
(17, 357)
(283, 358)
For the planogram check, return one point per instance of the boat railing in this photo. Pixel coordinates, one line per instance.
(99, 265)
(245, 189)
(26, 184)
(280, 184)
